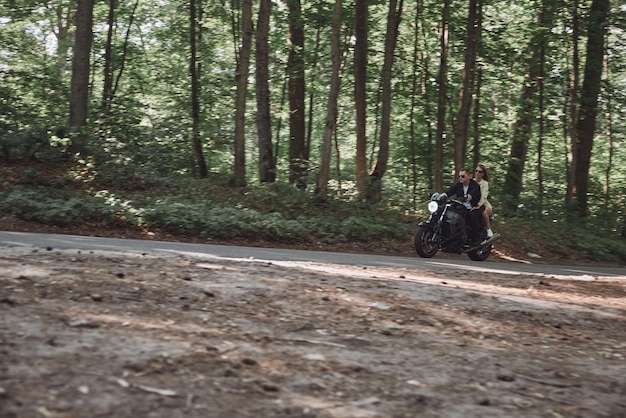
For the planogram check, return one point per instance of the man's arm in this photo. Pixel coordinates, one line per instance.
(452, 190)
(474, 192)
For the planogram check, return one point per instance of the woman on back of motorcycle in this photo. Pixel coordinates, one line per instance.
(482, 178)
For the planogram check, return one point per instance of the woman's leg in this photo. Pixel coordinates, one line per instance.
(486, 218)
(486, 214)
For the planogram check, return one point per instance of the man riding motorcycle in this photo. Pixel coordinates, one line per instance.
(468, 192)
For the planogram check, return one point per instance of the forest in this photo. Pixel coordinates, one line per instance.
(289, 106)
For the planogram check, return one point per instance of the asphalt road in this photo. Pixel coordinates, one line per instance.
(82, 243)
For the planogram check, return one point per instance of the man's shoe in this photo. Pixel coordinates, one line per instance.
(489, 233)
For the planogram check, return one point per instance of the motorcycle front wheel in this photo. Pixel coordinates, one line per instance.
(425, 246)
(480, 254)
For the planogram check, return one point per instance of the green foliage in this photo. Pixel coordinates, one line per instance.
(221, 222)
(37, 205)
(567, 239)
(273, 213)
(261, 214)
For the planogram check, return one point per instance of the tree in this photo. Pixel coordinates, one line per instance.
(586, 126)
(79, 93)
(526, 112)
(461, 129)
(574, 86)
(331, 112)
(241, 76)
(442, 95)
(107, 84)
(475, 119)
(110, 79)
(194, 70)
(267, 165)
(298, 158)
(374, 190)
(360, 92)
(63, 32)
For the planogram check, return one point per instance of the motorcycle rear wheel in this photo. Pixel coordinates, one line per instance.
(481, 254)
(424, 246)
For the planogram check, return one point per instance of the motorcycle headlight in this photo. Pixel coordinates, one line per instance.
(433, 206)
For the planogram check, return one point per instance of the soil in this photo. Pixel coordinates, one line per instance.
(112, 334)
(105, 334)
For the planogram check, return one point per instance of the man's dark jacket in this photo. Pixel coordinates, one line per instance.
(473, 189)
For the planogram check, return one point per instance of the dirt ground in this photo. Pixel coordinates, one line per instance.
(135, 335)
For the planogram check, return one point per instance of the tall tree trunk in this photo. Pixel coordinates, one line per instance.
(313, 70)
(442, 95)
(331, 110)
(476, 118)
(374, 189)
(243, 65)
(571, 162)
(414, 99)
(107, 84)
(112, 81)
(526, 111)
(461, 129)
(608, 93)
(79, 91)
(541, 133)
(267, 166)
(428, 97)
(360, 93)
(63, 31)
(598, 16)
(298, 161)
(195, 90)
(279, 123)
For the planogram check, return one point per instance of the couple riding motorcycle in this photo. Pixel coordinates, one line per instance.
(467, 191)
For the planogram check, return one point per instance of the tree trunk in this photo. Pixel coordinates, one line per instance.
(414, 99)
(63, 31)
(428, 97)
(122, 64)
(243, 65)
(476, 118)
(107, 83)
(313, 72)
(461, 129)
(331, 111)
(298, 161)
(586, 126)
(441, 100)
(608, 93)
(526, 111)
(267, 166)
(374, 189)
(573, 108)
(541, 133)
(79, 91)
(360, 93)
(195, 91)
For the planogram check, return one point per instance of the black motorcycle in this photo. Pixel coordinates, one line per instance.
(447, 230)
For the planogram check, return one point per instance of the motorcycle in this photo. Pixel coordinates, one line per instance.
(448, 231)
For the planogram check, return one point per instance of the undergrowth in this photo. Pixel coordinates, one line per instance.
(274, 212)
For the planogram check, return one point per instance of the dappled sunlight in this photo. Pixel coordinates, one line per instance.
(487, 282)
(331, 338)
(135, 322)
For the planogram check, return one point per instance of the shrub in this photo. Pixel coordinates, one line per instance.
(35, 205)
